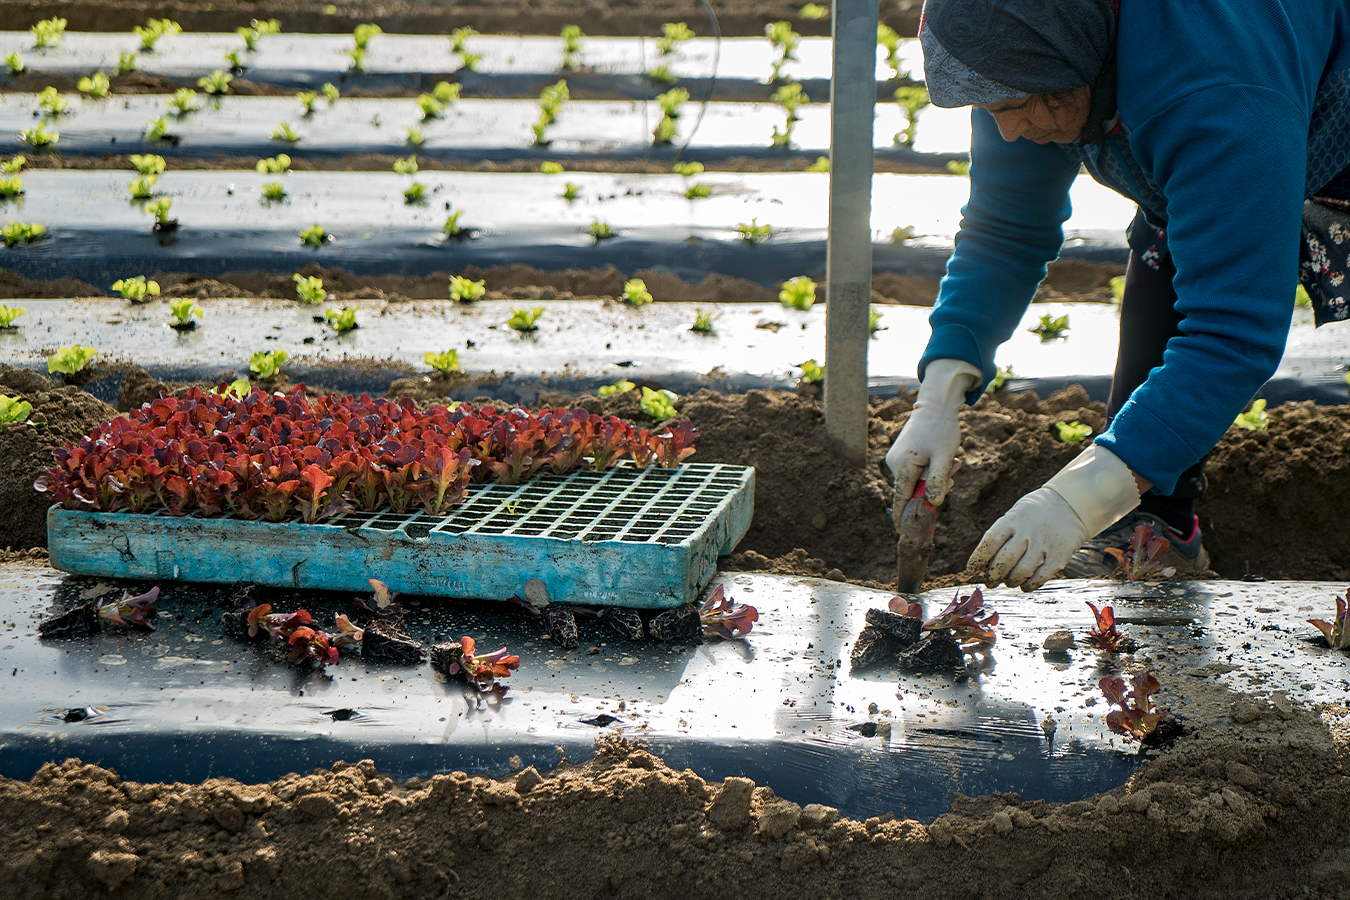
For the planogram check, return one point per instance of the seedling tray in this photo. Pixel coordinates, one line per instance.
(645, 538)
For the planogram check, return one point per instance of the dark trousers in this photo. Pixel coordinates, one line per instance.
(1148, 320)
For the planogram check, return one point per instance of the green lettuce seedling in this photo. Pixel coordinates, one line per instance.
(136, 289)
(10, 186)
(238, 389)
(315, 235)
(812, 372)
(672, 100)
(51, 102)
(822, 164)
(8, 314)
(415, 193)
(571, 37)
(446, 92)
(524, 320)
(889, 40)
(1051, 328)
(39, 135)
(754, 233)
(958, 167)
(703, 322)
(672, 35)
(236, 61)
(570, 192)
(785, 41)
(182, 101)
(1118, 288)
(662, 75)
(901, 234)
(21, 233)
(814, 11)
(14, 62)
(618, 387)
(698, 191)
(14, 410)
(284, 132)
(273, 192)
(789, 96)
(156, 129)
(446, 361)
(416, 137)
(148, 163)
(912, 100)
(96, 85)
(307, 100)
(466, 290)
(688, 169)
(343, 320)
(48, 32)
(1000, 378)
(635, 292)
(153, 30)
(664, 132)
(452, 228)
(551, 168)
(1255, 418)
(358, 55)
(601, 230)
(1073, 432)
(874, 323)
(797, 293)
(142, 188)
(69, 360)
(660, 405)
(273, 165)
(126, 63)
(362, 34)
(309, 288)
(330, 92)
(183, 310)
(267, 363)
(551, 101)
(255, 30)
(430, 106)
(458, 38)
(13, 165)
(1301, 298)
(160, 210)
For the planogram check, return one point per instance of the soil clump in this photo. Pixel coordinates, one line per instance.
(624, 822)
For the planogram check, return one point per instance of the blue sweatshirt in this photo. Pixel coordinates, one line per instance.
(1230, 115)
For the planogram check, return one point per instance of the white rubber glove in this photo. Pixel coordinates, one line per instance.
(927, 446)
(1035, 539)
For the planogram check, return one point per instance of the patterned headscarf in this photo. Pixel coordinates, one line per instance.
(988, 51)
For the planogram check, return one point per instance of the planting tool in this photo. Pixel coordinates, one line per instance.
(915, 524)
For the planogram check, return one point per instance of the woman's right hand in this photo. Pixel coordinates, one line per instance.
(927, 446)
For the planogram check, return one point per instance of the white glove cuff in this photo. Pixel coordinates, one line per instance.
(946, 383)
(1098, 487)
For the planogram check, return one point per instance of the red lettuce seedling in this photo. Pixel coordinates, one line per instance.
(308, 645)
(902, 607)
(1105, 636)
(1138, 716)
(482, 669)
(723, 618)
(129, 610)
(381, 598)
(962, 623)
(1141, 561)
(1336, 633)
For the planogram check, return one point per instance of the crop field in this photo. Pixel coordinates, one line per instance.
(417, 482)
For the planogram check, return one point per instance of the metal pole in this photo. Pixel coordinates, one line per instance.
(848, 257)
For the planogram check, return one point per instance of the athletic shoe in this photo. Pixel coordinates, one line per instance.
(1186, 554)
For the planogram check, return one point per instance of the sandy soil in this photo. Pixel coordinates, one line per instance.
(596, 17)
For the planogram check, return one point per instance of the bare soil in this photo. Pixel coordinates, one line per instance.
(596, 17)
(1253, 810)
(1067, 280)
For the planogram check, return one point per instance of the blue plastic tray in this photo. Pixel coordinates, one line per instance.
(645, 538)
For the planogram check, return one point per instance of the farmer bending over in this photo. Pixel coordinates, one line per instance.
(1229, 125)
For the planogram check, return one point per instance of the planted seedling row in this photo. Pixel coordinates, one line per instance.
(502, 66)
(194, 123)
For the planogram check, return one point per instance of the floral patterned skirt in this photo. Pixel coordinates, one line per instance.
(1324, 257)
